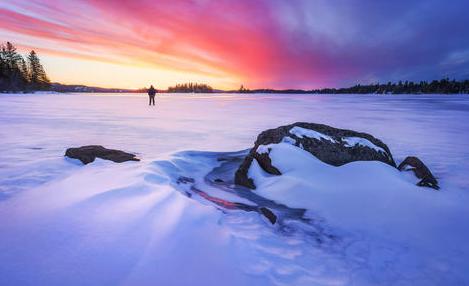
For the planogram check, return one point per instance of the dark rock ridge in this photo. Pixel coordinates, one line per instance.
(421, 171)
(331, 145)
(268, 214)
(87, 154)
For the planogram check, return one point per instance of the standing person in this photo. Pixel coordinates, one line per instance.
(151, 94)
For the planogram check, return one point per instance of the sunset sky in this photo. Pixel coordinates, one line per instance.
(258, 43)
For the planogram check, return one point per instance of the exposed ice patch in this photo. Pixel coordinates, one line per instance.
(353, 141)
(303, 132)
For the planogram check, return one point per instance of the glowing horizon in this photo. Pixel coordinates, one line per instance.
(271, 44)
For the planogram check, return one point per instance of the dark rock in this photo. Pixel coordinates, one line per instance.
(36, 148)
(218, 180)
(268, 214)
(334, 152)
(421, 171)
(87, 154)
(185, 180)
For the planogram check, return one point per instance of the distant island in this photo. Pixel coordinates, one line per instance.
(18, 74)
(190, 88)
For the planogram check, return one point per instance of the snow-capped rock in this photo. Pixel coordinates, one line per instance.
(331, 145)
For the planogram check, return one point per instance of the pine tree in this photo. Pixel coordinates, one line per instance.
(3, 69)
(25, 74)
(37, 76)
(11, 56)
(11, 75)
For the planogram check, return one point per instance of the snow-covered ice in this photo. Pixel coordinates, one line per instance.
(165, 221)
(373, 200)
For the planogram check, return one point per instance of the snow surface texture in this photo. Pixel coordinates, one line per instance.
(134, 224)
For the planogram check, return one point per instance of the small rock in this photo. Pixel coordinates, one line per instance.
(185, 180)
(218, 180)
(268, 214)
(87, 154)
(421, 171)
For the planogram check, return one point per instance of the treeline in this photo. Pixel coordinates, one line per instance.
(191, 87)
(443, 86)
(243, 89)
(18, 74)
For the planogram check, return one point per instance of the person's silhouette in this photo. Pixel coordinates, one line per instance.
(151, 94)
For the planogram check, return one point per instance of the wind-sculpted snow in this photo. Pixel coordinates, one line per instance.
(176, 217)
(129, 224)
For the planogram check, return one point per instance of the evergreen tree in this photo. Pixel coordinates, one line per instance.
(37, 76)
(24, 71)
(3, 70)
(11, 76)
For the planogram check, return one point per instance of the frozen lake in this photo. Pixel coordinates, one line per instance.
(432, 127)
(108, 224)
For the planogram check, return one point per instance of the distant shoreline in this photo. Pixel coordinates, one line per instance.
(216, 93)
(443, 86)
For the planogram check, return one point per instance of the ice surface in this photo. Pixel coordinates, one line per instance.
(132, 224)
